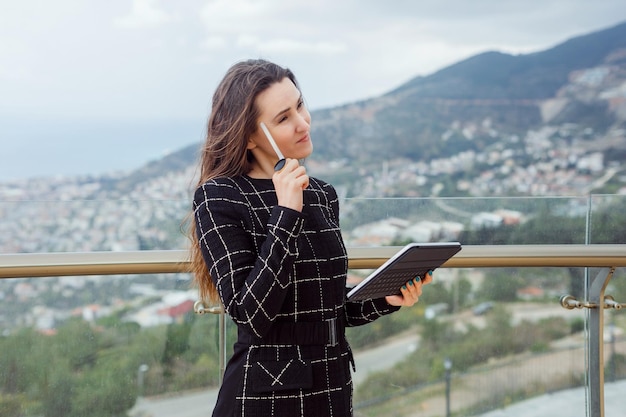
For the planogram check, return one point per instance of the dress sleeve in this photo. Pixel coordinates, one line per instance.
(252, 282)
(363, 312)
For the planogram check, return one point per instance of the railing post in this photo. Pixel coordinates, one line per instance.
(222, 343)
(200, 308)
(595, 352)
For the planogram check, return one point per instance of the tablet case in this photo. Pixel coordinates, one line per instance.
(414, 259)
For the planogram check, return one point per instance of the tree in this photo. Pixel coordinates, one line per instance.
(177, 342)
(77, 342)
(23, 361)
(59, 392)
(501, 285)
(109, 390)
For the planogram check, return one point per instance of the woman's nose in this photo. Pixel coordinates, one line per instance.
(304, 121)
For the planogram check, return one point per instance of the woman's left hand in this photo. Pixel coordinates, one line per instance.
(410, 292)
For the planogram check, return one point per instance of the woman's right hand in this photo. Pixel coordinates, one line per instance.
(289, 183)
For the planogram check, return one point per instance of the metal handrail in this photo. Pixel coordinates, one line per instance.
(607, 257)
(173, 261)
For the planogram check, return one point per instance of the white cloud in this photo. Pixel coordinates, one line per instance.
(279, 46)
(144, 13)
(248, 41)
(234, 8)
(233, 16)
(214, 43)
(300, 47)
(268, 28)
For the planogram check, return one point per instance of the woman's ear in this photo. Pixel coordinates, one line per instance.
(251, 144)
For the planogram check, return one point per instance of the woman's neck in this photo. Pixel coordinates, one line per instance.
(261, 171)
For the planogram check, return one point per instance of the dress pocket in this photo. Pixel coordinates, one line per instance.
(268, 376)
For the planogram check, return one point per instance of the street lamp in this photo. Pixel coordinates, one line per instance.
(447, 364)
(143, 368)
(612, 360)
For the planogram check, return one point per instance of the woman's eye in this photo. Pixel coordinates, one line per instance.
(282, 119)
(300, 104)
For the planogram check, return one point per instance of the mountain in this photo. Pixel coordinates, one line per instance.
(491, 101)
(179, 160)
(494, 75)
(506, 91)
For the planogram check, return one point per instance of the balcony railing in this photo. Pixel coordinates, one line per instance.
(604, 259)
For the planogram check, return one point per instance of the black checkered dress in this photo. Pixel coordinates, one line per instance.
(281, 276)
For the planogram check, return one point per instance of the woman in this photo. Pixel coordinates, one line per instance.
(267, 244)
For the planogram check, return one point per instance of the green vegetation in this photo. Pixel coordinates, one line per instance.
(491, 367)
(466, 349)
(86, 370)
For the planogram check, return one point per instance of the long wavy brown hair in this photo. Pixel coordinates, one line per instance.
(232, 121)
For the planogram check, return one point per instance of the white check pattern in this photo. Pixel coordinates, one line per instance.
(272, 264)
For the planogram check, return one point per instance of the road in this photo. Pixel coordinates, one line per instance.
(384, 356)
(570, 402)
(199, 404)
(196, 404)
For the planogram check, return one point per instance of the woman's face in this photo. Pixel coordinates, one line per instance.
(281, 108)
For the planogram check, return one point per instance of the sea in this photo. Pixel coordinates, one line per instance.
(53, 148)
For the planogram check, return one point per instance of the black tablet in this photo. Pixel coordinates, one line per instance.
(414, 259)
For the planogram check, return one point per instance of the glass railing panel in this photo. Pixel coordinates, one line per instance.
(547, 334)
(162, 367)
(70, 344)
(168, 366)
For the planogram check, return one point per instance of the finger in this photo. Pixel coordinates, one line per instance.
(293, 168)
(294, 164)
(395, 300)
(290, 170)
(428, 278)
(418, 281)
(299, 171)
(410, 293)
(301, 176)
(415, 287)
(418, 286)
(286, 165)
(305, 182)
(408, 297)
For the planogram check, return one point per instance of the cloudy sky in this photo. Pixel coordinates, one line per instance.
(90, 86)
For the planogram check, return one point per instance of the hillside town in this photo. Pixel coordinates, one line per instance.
(74, 215)
(82, 214)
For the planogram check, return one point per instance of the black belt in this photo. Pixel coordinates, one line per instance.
(326, 332)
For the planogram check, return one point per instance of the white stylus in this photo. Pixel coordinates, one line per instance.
(281, 159)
